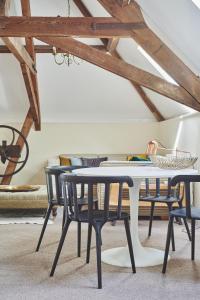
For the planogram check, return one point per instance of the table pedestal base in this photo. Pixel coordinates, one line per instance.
(147, 257)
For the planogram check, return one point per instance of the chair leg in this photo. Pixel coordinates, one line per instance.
(79, 239)
(54, 211)
(172, 233)
(169, 232)
(185, 223)
(96, 205)
(60, 245)
(98, 252)
(130, 246)
(44, 226)
(178, 219)
(63, 220)
(89, 243)
(187, 229)
(151, 217)
(172, 237)
(193, 239)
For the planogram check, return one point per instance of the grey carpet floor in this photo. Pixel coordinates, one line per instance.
(24, 274)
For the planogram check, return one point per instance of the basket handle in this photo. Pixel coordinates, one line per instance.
(176, 150)
(155, 145)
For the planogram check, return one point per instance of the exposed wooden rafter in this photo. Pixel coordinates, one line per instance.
(13, 44)
(124, 2)
(111, 46)
(123, 69)
(86, 13)
(110, 43)
(28, 123)
(27, 63)
(145, 98)
(158, 116)
(31, 92)
(26, 11)
(66, 26)
(149, 41)
(4, 7)
(16, 47)
(46, 49)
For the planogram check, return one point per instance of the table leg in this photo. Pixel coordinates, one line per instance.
(144, 257)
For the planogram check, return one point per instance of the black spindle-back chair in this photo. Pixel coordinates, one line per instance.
(171, 196)
(55, 198)
(95, 217)
(188, 212)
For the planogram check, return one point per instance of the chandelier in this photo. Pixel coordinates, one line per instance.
(65, 58)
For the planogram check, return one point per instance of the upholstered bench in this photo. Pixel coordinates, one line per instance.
(24, 200)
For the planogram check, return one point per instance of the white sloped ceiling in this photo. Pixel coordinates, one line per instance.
(87, 93)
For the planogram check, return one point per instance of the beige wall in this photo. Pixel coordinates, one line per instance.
(106, 138)
(90, 138)
(183, 133)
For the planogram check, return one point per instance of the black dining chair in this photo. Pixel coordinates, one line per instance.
(95, 217)
(173, 195)
(188, 212)
(55, 198)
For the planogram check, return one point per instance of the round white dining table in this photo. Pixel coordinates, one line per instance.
(144, 256)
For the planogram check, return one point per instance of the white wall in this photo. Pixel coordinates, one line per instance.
(85, 138)
(183, 133)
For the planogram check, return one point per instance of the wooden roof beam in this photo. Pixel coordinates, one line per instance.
(17, 48)
(143, 95)
(27, 65)
(87, 14)
(13, 44)
(26, 11)
(31, 95)
(158, 116)
(110, 43)
(111, 46)
(4, 7)
(151, 43)
(46, 49)
(123, 69)
(124, 2)
(66, 26)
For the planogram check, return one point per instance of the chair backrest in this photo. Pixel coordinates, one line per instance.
(54, 189)
(187, 180)
(170, 192)
(69, 184)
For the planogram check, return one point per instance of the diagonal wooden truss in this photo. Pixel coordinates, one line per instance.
(27, 62)
(123, 69)
(111, 45)
(126, 20)
(151, 43)
(26, 58)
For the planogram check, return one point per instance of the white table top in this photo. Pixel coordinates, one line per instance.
(137, 172)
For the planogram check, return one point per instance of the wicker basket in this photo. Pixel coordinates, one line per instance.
(173, 162)
(177, 159)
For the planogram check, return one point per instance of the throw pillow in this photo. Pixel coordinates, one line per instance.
(76, 161)
(64, 160)
(138, 157)
(93, 162)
